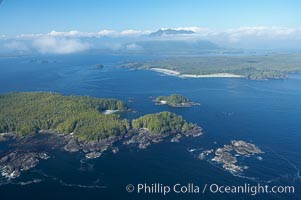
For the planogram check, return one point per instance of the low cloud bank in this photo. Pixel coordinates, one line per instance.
(55, 45)
(74, 41)
(234, 34)
(44, 45)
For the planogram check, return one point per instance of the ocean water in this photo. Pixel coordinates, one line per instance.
(266, 113)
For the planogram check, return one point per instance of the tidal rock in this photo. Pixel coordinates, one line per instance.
(204, 154)
(115, 150)
(226, 155)
(245, 148)
(93, 155)
(14, 163)
(143, 138)
(6, 136)
(101, 145)
(176, 138)
(195, 132)
(72, 145)
(99, 66)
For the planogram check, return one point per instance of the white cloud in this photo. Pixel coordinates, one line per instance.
(261, 32)
(195, 29)
(72, 33)
(234, 34)
(55, 45)
(282, 31)
(29, 36)
(16, 46)
(133, 47)
(106, 33)
(79, 34)
(132, 32)
(73, 41)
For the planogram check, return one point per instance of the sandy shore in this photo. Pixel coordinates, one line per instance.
(166, 71)
(107, 112)
(176, 73)
(217, 75)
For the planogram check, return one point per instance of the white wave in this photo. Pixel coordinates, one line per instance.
(73, 184)
(296, 176)
(191, 150)
(82, 186)
(29, 182)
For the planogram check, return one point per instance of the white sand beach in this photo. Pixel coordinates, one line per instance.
(166, 71)
(176, 73)
(107, 112)
(216, 75)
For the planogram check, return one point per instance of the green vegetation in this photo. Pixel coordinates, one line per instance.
(26, 113)
(252, 67)
(173, 100)
(162, 122)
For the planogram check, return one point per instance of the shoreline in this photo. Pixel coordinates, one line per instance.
(108, 112)
(178, 74)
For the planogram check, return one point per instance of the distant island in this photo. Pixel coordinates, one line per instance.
(37, 122)
(254, 67)
(175, 100)
(99, 66)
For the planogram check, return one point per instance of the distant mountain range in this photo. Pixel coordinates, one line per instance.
(163, 32)
(154, 43)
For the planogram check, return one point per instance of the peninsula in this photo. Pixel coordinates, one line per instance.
(253, 67)
(35, 123)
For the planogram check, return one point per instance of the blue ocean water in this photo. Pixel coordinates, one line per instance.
(266, 113)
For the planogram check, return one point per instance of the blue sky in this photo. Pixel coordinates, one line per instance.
(43, 16)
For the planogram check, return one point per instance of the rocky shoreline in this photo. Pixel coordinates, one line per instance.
(26, 152)
(143, 138)
(228, 154)
(15, 162)
(180, 105)
(174, 100)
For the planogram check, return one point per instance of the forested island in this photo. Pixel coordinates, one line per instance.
(29, 112)
(174, 100)
(254, 67)
(163, 122)
(36, 122)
